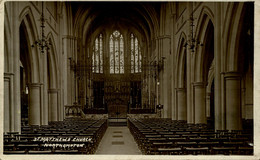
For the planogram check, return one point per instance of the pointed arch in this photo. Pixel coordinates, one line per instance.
(204, 55)
(233, 31)
(205, 11)
(27, 22)
(181, 61)
(53, 62)
(7, 35)
(67, 19)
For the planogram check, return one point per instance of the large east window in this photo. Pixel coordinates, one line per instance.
(116, 50)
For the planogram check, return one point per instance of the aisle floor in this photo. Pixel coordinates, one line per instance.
(118, 140)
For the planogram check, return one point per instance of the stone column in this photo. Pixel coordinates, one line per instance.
(181, 104)
(35, 104)
(219, 60)
(175, 105)
(61, 106)
(200, 102)
(44, 88)
(208, 104)
(53, 105)
(173, 43)
(8, 102)
(69, 57)
(157, 92)
(243, 105)
(190, 109)
(233, 101)
(164, 92)
(16, 108)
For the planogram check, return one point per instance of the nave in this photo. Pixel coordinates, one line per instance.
(118, 141)
(148, 137)
(162, 78)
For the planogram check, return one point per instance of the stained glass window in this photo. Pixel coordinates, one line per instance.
(116, 50)
(111, 49)
(97, 56)
(101, 53)
(136, 57)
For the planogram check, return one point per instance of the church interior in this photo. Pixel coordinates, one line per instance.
(129, 78)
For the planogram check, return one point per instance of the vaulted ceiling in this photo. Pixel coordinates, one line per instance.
(142, 16)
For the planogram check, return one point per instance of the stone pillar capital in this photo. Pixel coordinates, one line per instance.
(199, 84)
(232, 75)
(53, 90)
(69, 37)
(8, 74)
(35, 84)
(163, 37)
(180, 89)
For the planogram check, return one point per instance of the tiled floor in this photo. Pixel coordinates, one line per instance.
(118, 140)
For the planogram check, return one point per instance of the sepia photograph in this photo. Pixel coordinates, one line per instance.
(128, 79)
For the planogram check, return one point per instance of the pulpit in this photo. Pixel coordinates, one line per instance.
(74, 110)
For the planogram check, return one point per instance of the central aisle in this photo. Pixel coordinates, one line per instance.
(118, 140)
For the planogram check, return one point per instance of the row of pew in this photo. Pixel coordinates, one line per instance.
(71, 136)
(170, 137)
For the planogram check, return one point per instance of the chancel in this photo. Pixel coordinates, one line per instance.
(128, 78)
